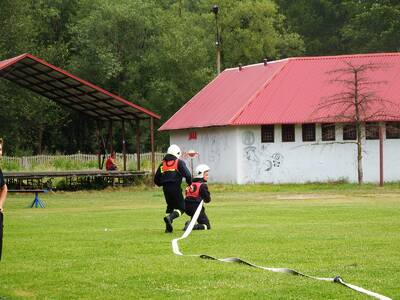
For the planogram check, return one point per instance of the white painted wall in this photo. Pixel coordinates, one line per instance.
(296, 162)
(236, 155)
(217, 147)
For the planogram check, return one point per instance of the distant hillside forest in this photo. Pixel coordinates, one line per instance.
(159, 54)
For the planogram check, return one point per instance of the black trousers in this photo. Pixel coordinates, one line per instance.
(174, 198)
(1, 233)
(190, 209)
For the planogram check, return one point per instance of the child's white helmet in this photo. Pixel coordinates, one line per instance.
(174, 150)
(200, 170)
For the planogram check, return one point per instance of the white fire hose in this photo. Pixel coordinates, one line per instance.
(337, 279)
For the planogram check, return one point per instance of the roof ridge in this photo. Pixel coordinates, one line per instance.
(259, 64)
(254, 96)
(320, 58)
(346, 56)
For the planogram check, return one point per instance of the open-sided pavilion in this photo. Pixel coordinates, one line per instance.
(75, 93)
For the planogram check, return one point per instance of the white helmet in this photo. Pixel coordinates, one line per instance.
(200, 170)
(174, 150)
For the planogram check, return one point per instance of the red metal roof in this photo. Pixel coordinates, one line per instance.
(283, 92)
(66, 89)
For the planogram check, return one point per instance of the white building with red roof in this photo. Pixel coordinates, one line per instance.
(260, 123)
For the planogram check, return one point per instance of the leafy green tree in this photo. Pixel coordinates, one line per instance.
(331, 27)
(157, 54)
(141, 51)
(375, 27)
(253, 30)
(318, 22)
(17, 30)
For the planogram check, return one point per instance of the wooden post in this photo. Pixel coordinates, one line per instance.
(123, 144)
(138, 144)
(110, 136)
(99, 143)
(153, 163)
(381, 154)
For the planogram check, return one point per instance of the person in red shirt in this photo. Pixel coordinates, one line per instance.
(111, 164)
(196, 192)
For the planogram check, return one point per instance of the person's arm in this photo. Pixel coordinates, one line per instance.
(184, 171)
(157, 177)
(3, 196)
(204, 193)
(3, 191)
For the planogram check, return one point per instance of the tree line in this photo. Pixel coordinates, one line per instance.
(159, 54)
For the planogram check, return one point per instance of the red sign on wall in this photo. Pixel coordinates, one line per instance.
(193, 135)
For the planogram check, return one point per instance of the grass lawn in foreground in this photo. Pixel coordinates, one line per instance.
(111, 244)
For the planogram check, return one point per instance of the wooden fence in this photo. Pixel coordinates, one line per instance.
(25, 162)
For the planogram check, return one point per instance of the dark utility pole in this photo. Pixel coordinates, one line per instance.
(215, 10)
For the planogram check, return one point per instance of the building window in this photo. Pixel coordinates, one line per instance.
(371, 131)
(267, 133)
(393, 130)
(288, 133)
(328, 132)
(308, 132)
(349, 132)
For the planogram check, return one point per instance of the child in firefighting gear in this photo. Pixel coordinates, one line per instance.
(169, 175)
(196, 192)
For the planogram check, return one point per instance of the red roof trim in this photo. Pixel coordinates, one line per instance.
(5, 63)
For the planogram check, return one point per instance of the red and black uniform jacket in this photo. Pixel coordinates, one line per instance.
(172, 171)
(198, 191)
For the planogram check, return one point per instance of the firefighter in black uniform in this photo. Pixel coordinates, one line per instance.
(3, 186)
(3, 196)
(169, 175)
(196, 192)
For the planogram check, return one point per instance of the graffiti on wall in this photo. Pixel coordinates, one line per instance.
(258, 161)
(214, 146)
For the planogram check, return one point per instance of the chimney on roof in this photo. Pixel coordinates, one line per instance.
(265, 61)
(240, 67)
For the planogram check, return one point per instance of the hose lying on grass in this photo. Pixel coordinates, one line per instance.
(337, 279)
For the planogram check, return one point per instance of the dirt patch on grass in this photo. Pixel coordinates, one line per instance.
(24, 293)
(307, 196)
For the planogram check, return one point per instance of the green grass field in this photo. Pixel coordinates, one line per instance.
(111, 244)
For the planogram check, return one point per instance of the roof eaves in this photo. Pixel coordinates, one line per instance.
(195, 127)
